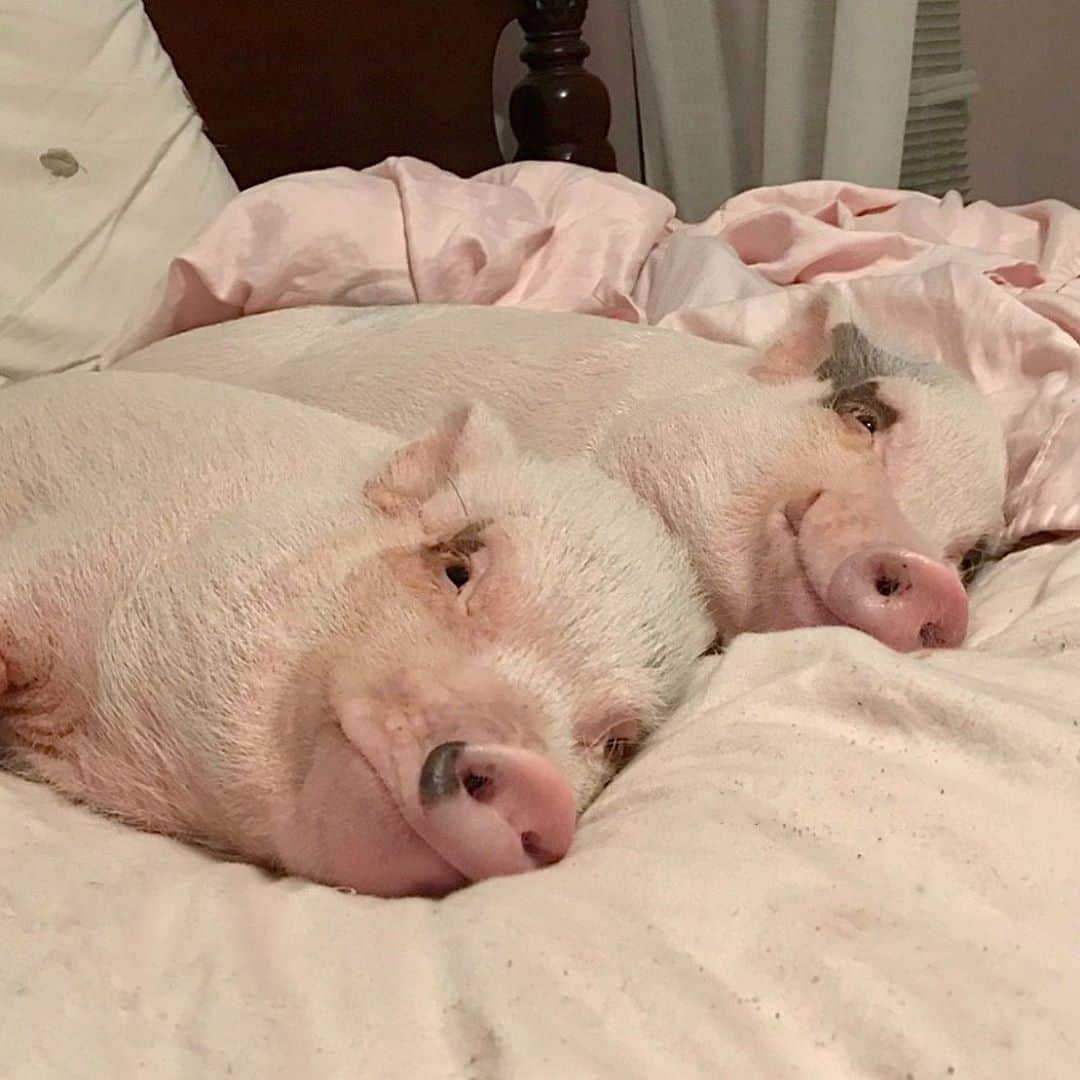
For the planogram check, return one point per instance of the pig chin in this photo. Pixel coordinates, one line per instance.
(795, 602)
(417, 789)
(839, 565)
(348, 831)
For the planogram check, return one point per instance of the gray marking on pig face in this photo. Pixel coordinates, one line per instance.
(439, 777)
(854, 359)
(854, 367)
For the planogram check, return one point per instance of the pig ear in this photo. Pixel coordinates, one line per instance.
(802, 347)
(468, 438)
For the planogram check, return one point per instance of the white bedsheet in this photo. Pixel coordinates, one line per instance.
(834, 861)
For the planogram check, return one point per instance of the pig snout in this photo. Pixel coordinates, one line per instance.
(862, 560)
(904, 599)
(458, 756)
(492, 810)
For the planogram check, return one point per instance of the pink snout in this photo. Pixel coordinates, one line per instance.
(491, 810)
(906, 600)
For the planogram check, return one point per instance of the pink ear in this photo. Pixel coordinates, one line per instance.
(468, 439)
(801, 348)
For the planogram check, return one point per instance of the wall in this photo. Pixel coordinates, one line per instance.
(1024, 139)
(607, 30)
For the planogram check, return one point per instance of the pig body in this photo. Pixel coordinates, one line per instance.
(826, 481)
(296, 639)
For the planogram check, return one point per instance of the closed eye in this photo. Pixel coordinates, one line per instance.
(970, 564)
(619, 751)
(973, 560)
(618, 742)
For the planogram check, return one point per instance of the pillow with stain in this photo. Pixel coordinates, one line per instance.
(106, 175)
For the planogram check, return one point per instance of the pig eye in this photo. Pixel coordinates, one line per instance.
(458, 574)
(618, 751)
(862, 405)
(462, 558)
(866, 419)
(971, 561)
(860, 414)
(619, 742)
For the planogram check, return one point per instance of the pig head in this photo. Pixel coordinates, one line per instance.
(822, 480)
(291, 638)
(855, 488)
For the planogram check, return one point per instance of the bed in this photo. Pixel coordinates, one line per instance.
(833, 861)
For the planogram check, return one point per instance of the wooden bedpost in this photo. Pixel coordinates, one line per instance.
(559, 111)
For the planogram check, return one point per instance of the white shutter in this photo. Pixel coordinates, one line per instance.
(935, 141)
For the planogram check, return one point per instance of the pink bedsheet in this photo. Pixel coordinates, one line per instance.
(995, 292)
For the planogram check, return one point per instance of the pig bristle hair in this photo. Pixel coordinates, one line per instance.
(457, 492)
(151, 805)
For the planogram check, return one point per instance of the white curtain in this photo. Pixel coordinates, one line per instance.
(739, 93)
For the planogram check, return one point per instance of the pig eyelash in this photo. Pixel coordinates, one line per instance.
(454, 488)
(615, 752)
(462, 545)
(618, 752)
(619, 743)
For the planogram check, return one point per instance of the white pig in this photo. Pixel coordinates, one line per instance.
(289, 637)
(824, 481)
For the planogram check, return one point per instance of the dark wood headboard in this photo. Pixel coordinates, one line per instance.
(289, 85)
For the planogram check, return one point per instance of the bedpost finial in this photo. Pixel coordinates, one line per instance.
(559, 111)
(553, 16)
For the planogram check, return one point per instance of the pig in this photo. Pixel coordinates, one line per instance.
(297, 640)
(822, 481)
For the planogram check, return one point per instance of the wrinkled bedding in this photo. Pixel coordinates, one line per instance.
(992, 291)
(833, 862)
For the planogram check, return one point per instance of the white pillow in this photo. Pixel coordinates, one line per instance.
(83, 256)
